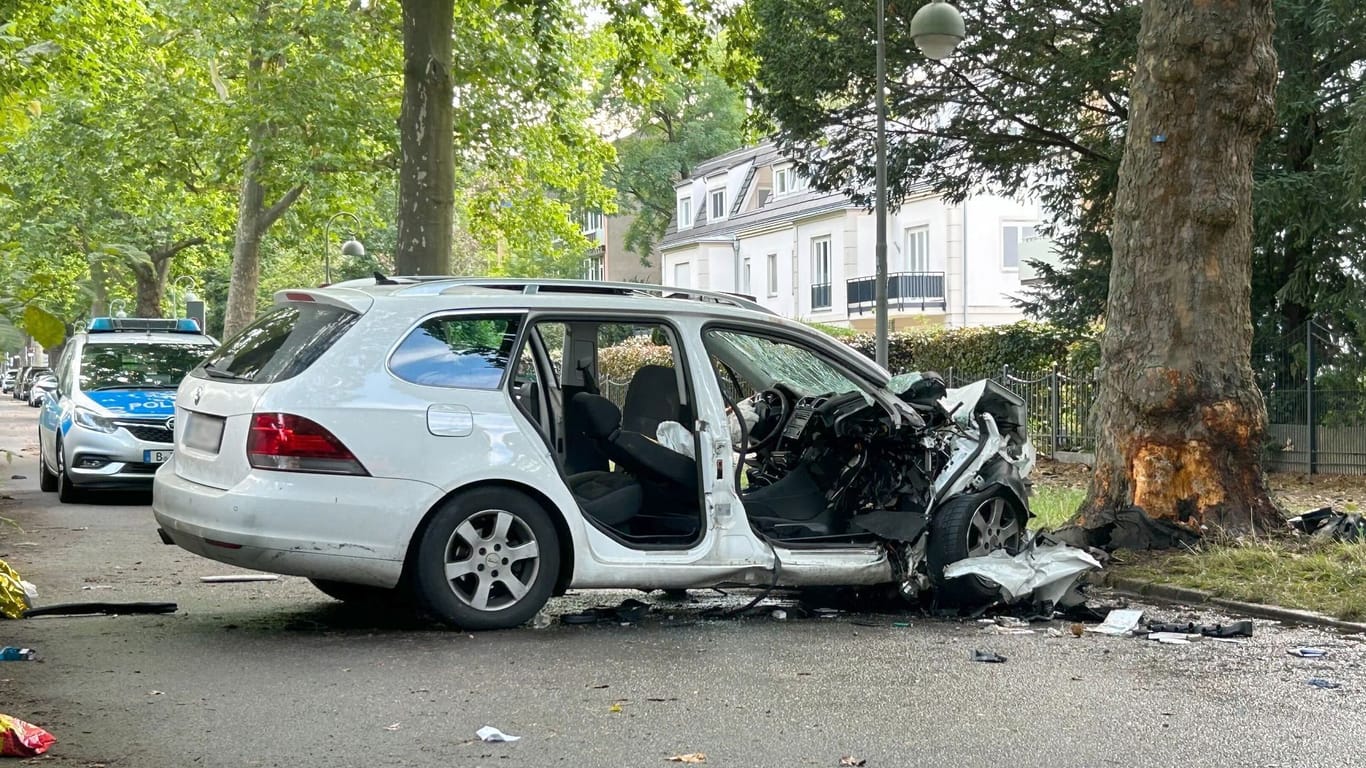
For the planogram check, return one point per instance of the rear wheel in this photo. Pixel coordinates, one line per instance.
(972, 526)
(488, 560)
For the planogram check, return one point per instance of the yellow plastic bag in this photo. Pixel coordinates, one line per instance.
(14, 598)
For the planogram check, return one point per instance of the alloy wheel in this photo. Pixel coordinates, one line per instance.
(994, 526)
(492, 560)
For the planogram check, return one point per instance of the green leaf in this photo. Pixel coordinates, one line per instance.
(45, 328)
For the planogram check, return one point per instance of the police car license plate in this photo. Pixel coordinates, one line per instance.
(156, 457)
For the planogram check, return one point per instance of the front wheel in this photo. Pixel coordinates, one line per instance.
(67, 492)
(47, 480)
(488, 560)
(972, 526)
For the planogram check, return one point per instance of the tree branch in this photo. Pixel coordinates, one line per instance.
(159, 255)
(276, 211)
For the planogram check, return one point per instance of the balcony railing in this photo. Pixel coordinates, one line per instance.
(905, 290)
(820, 296)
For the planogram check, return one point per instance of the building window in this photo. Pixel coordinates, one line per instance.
(592, 221)
(592, 268)
(682, 275)
(684, 212)
(784, 181)
(773, 274)
(915, 254)
(820, 273)
(718, 205)
(1013, 237)
(747, 277)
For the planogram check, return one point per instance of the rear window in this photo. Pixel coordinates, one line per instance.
(138, 366)
(460, 352)
(279, 345)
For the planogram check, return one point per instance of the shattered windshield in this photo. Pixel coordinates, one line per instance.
(773, 361)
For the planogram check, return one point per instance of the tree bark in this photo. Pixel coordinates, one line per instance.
(426, 187)
(151, 278)
(1179, 419)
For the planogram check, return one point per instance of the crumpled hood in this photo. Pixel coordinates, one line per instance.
(145, 403)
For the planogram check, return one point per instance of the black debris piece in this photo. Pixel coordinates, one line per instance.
(988, 657)
(892, 524)
(1328, 523)
(1236, 629)
(630, 611)
(1319, 682)
(112, 609)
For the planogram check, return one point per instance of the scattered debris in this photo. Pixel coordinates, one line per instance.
(1078, 630)
(237, 578)
(18, 477)
(1328, 523)
(779, 614)
(826, 613)
(1120, 622)
(1236, 629)
(1054, 632)
(14, 593)
(96, 586)
(901, 624)
(1319, 682)
(541, 620)
(112, 609)
(393, 726)
(615, 708)
(1043, 572)
(988, 657)
(491, 734)
(1305, 652)
(10, 653)
(1173, 638)
(156, 693)
(854, 761)
(630, 611)
(691, 757)
(21, 739)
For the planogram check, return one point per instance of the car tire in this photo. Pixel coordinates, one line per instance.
(971, 526)
(488, 559)
(67, 492)
(47, 479)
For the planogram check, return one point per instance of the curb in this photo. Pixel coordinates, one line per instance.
(1167, 593)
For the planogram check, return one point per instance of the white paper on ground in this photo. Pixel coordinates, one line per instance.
(1120, 621)
(1046, 572)
(1173, 638)
(489, 733)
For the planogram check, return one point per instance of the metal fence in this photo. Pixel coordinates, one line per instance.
(1058, 401)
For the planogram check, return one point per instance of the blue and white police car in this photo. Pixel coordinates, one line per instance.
(111, 421)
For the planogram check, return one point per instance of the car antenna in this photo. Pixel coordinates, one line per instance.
(380, 279)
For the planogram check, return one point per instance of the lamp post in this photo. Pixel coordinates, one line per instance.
(194, 306)
(352, 247)
(937, 29)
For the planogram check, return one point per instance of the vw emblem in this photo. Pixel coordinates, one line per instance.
(198, 393)
(170, 424)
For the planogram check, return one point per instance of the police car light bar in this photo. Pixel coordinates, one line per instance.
(144, 324)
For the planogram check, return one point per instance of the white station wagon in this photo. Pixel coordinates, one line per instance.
(482, 445)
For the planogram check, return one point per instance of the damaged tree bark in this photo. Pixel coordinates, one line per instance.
(1179, 420)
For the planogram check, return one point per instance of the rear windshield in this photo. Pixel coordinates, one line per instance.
(279, 345)
(138, 366)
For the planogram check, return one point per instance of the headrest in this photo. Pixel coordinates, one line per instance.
(601, 417)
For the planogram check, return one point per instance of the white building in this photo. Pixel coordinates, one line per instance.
(747, 223)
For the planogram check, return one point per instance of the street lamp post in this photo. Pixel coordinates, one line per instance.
(194, 306)
(937, 29)
(351, 247)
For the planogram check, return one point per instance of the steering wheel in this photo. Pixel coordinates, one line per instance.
(773, 408)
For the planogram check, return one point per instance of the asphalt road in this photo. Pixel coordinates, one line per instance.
(276, 674)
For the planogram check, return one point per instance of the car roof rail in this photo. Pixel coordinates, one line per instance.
(536, 285)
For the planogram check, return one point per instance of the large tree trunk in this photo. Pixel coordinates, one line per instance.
(253, 219)
(1179, 419)
(426, 186)
(151, 278)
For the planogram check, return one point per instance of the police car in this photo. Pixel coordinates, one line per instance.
(110, 423)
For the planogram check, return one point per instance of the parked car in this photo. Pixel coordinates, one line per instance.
(463, 442)
(7, 380)
(25, 380)
(43, 385)
(109, 424)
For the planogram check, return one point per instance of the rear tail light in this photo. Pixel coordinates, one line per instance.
(288, 443)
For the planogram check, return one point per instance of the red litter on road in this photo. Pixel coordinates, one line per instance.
(21, 739)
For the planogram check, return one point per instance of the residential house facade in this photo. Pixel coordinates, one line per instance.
(610, 259)
(747, 222)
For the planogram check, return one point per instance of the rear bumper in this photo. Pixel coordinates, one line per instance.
(352, 529)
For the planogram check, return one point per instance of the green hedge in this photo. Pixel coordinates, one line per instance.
(1023, 346)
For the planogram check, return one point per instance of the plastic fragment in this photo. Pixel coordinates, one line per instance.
(1319, 682)
(854, 761)
(21, 739)
(988, 657)
(691, 757)
(491, 734)
(1305, 652)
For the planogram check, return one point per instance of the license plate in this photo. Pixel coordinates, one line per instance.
(203, 433)
(156, 457)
